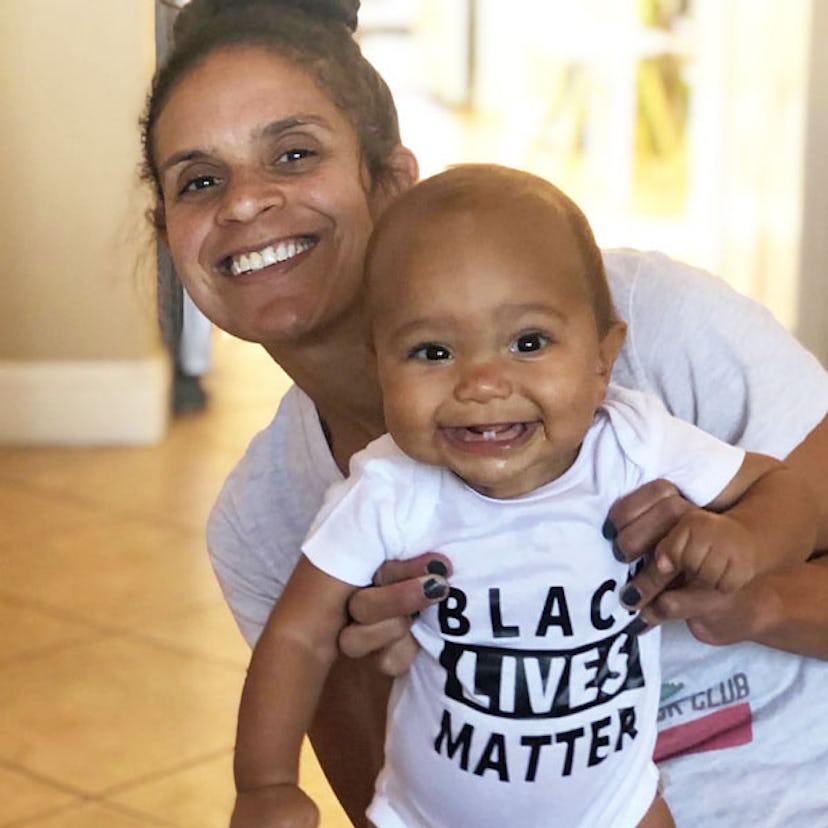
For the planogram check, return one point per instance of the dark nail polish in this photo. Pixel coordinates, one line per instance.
(433, 588)
(630, 596)
(617, 553)
(608, 530)
(637, 626)
(437, 568)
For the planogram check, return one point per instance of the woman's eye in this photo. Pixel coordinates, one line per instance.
(528, 343)
(430, 352)
(201, 182)
(293, 156)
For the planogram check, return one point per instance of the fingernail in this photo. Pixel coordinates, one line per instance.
(608, 530)
(637, 626)
(630, 596)
(437, 568)
(617, 553)
(433, 588)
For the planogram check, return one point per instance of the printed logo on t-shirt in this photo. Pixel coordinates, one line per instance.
(712, 718)
(534, 684)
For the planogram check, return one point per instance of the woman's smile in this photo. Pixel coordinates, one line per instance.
(265, 190)
(252, 261)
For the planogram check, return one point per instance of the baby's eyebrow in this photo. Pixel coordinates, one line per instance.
(426, 324)
(509, 311)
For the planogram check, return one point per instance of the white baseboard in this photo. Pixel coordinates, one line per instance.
(93, 402)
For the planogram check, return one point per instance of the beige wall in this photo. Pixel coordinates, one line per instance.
(812, 322)
(75, 289)
(74, 76)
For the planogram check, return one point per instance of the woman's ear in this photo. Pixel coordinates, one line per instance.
(404, 170)
(401, 173)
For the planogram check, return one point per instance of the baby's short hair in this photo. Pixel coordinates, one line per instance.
(470, 187)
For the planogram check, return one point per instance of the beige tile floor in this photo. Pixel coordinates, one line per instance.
(120, 666)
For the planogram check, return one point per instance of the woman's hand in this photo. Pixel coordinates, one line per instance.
(381, 614)
(714, 617)
(636, 524)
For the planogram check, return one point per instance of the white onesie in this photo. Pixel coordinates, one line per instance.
(529, 704)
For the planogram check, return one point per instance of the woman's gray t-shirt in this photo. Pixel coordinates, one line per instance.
(738, 741)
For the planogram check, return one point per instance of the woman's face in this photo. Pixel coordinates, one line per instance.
(268, 205)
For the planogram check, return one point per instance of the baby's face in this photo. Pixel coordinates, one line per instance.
(488, 354)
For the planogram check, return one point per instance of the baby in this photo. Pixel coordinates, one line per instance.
(533, 700)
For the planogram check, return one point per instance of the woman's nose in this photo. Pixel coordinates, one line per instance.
(247, 195)
(483, 382)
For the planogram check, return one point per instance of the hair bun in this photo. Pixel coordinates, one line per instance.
(197, 12)
(343, 11)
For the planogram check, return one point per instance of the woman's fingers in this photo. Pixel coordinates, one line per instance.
(380, 603)
(429, 563)
(648, 583)
(712, 616)
(638, 521)
(358, 640)
(396, 659)
(381, 614)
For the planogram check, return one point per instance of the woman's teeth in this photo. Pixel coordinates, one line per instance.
(273, 254)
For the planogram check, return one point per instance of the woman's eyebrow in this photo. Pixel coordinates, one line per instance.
(180, 158)
(271, 130)
(283, 124)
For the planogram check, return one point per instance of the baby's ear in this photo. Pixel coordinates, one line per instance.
(609, 347)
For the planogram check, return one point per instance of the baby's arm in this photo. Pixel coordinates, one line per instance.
(765, 519)
(287, 671)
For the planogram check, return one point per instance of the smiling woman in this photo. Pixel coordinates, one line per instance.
(271, 165)
(268, 136)
(266, 199)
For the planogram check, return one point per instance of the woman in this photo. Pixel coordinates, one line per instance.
(273, 147)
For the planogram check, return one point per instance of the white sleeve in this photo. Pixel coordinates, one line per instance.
(714, 357)
(697, 463)
(358, 526)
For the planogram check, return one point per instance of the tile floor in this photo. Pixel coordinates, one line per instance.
(120, 666)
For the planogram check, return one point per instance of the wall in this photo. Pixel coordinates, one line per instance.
(80, 360)
(812, 318)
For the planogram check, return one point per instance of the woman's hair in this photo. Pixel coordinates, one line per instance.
(316, 35)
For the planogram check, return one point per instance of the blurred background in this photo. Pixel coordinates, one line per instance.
(695, 127)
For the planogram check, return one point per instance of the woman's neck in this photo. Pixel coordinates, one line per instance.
(339, 374)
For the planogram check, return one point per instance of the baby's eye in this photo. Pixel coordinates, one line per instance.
(528, 343)
(200, 182)
(430, 352)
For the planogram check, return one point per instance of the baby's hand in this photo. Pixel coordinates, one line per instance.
(276, 806)
(713, 548)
